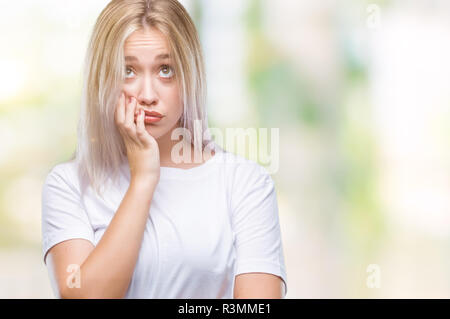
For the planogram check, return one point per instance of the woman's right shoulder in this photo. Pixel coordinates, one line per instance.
(64, 172)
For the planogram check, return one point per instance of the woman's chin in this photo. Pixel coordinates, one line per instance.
(154, 131)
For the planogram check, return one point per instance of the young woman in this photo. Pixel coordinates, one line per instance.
(140, 214)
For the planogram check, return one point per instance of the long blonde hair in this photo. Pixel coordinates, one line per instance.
(100, 149)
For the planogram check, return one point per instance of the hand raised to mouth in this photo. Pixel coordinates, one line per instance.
(142, 148)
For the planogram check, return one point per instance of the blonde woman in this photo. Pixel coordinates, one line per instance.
(127, 217)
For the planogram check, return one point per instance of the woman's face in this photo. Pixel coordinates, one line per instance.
(150, 78)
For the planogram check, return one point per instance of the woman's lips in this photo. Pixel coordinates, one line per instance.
(151, 117)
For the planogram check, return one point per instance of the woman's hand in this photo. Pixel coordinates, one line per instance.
(142, 148)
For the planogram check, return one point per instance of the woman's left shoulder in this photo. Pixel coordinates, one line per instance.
(245, 172)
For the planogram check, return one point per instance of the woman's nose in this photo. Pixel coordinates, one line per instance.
(147, 94)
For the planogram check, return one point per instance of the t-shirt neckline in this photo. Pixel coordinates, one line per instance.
(167, 172)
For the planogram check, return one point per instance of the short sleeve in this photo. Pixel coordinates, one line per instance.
(63, 216)
(256, 225)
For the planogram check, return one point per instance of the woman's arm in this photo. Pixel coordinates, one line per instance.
(260, 268)
(258, 285)
(105, 270)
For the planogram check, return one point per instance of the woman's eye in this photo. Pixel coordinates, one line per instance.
(128, 73)
(167, 71)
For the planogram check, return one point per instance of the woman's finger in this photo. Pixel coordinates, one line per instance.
(141, 131)
(119, 116)
(129, 125)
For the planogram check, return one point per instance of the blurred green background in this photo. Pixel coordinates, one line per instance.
(360, 91)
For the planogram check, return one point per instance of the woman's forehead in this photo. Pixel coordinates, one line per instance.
(146, 41)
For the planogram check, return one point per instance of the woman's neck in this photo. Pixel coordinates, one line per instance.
(183, 153)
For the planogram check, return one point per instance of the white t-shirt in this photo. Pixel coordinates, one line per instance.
(205, 225)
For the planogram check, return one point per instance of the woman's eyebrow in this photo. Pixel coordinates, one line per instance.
(131, 58)
(162, 56)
